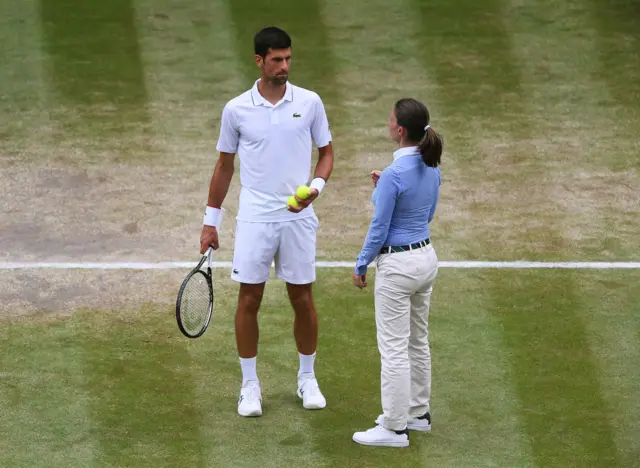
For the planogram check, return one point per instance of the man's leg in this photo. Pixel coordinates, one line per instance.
(249, 299)
(255, 246)
(295, 264)
(305, 324)
(305, 330)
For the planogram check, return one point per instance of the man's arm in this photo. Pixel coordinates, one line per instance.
(325, 162)
(320, 177)
(221, 180)
(321, 136)
(218, 188)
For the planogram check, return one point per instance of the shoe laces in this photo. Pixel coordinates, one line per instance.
(251, 391)
(309, 386)
(378, 428)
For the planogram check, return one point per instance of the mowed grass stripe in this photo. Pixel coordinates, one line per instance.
(618, 41)
(98, 94)
(138, 374)
(191, 70)
(585, 191)
(21, 95)
(563, 407)
(44, 403)
(373, 69)
(610, 307)
(488, 130)
(557, 378)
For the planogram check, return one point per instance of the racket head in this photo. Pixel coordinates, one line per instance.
(194, 305)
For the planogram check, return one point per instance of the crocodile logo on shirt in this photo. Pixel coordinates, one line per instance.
(296, 115)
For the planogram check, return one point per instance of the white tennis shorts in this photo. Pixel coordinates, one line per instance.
(290, 245)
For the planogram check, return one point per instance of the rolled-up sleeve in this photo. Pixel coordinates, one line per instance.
(387, 189)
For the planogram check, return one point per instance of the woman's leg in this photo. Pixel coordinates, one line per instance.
(392, 309)
(419, 352)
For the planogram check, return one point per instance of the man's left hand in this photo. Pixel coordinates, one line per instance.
(302, 204)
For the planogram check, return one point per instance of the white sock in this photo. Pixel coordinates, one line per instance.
(248, 366)
(306, 363)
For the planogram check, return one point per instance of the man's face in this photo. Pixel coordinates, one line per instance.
(275, 66)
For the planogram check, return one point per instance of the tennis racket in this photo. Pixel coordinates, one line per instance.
(194, 305)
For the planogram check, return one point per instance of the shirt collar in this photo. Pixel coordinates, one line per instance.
(258, 100)
(405, 151)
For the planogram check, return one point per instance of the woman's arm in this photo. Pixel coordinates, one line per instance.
(388, 189)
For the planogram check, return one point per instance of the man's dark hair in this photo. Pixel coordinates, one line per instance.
(270, 38)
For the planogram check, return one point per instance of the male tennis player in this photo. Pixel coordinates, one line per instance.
(271, 127)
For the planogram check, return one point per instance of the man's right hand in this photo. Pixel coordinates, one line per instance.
(208, 237)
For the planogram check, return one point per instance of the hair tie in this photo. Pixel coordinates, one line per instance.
(425, 128)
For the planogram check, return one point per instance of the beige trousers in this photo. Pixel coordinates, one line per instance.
(403, 285)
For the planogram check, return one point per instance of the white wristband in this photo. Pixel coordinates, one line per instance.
(318, 184)
(212, 216)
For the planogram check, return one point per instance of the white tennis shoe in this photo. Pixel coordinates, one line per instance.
(250, 401)
(381, 437)
(309, 392)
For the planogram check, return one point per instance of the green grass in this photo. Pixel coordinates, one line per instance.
(539, 119)
(522, 376)
(108, 125)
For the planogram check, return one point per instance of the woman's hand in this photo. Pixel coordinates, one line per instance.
(360, 281)
(375, 176)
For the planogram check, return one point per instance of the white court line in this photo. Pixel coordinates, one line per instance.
(319, 264)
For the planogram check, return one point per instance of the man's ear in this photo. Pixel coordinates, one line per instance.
(259, 61)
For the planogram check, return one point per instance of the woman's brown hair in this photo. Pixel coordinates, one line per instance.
(413, 115)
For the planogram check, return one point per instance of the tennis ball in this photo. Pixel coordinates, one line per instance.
(292, 201)
(302, 192)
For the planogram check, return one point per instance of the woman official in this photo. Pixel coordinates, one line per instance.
(405, 197)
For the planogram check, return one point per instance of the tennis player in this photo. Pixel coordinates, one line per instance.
(272, 127)
(405, 198)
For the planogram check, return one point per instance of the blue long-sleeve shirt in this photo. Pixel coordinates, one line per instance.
(405, 200)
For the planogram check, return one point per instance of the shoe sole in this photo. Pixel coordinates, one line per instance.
(381, 444)
(252, 414)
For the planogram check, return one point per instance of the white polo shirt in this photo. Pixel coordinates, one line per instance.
(274, 145)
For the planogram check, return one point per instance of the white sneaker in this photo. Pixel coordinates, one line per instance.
(423, 423)
(250, 402)
(309, 392)
(382, 437)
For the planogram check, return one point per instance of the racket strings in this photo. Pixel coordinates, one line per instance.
(194, 304)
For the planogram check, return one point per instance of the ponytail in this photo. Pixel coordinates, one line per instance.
(413, 115)
(431, 147)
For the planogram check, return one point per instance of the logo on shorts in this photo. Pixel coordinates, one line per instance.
(235, 272)
(296, 115)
